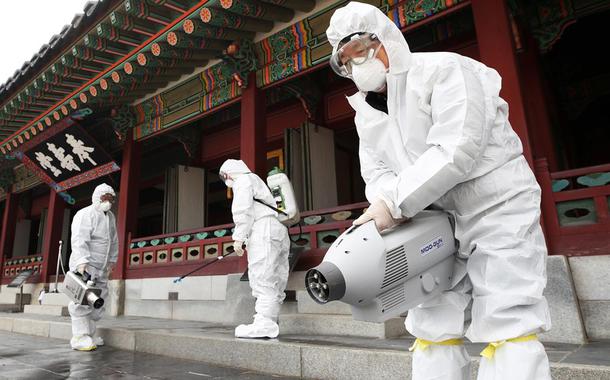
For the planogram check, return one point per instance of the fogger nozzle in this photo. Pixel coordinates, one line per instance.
(325, 283)
(94, 300)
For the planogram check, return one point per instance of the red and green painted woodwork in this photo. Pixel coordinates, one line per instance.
(167, 255)
(121, 36)
(258, 9)
(41, 87)
(303, 45)
(548, 19)
(149, 12)
(169, 72)
(224, 19)
(38, 88)
(53, 78)
(576, 207)
(77, 63)
(133, 24)
(212, 88)
(194, 27)
(175, 5)
(92, 55)
(127, 90)
(165, 50)
(12, 113)
(64, 71)
(12, 267)
(102, 44)
(22, 101)
(114, 82)
(149, 60)
(299, 5)
(25, 111)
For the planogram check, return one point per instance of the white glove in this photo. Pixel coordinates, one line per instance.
(238, 246)
(81, 268)
(380, 213)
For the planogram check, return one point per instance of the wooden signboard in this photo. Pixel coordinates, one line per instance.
(65, 156)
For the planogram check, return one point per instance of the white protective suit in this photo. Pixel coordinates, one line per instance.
(95, 244)
(446, 141)
(267, 244)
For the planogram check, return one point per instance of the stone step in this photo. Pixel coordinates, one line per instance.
(9, 308)
(301, 356)
(13, 298)
(340, 325)
(57, 299)
(289, 307)
(306, 305)
(57, 310)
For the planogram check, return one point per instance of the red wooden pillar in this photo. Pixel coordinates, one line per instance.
(538, 112)
(549, 218)
(496, 47)
(9, 221)
(253, 129)
(127, 217)
(52, 235)
(253, 135)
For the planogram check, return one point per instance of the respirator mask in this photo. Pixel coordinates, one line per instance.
(356, 58)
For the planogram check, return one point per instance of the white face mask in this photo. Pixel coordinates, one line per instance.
(370, 75)
(104, 206)
(229, 182)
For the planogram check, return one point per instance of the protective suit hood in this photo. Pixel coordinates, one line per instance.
(99, 191)
(359, 17)
(234, 168)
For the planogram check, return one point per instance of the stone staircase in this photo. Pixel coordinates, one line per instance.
(299, 356)
(10, 301)
(335, 318)
(52, 304)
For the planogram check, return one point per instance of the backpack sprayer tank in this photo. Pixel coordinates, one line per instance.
(285, 200)
(383, 275)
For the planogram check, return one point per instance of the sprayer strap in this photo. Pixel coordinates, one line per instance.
(271, 207)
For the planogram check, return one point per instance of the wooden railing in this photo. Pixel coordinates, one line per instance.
(14, 266)
(173, 254)
(575, 205)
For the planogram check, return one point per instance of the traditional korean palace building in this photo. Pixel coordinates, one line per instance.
(151, 96)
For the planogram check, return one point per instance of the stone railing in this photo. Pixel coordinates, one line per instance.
(575, 205)
(172, 254)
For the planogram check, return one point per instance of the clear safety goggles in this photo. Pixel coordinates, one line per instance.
(355, 49)
(108, 197)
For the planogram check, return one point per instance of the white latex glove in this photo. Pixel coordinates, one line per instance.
(380, 213)
(238, 246)
(81, 268)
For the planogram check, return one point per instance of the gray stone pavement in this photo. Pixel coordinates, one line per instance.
(305, 356)
(33, 357)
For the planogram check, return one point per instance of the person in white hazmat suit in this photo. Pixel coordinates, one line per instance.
(434, 132)
(95, 249)
(267, 243)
